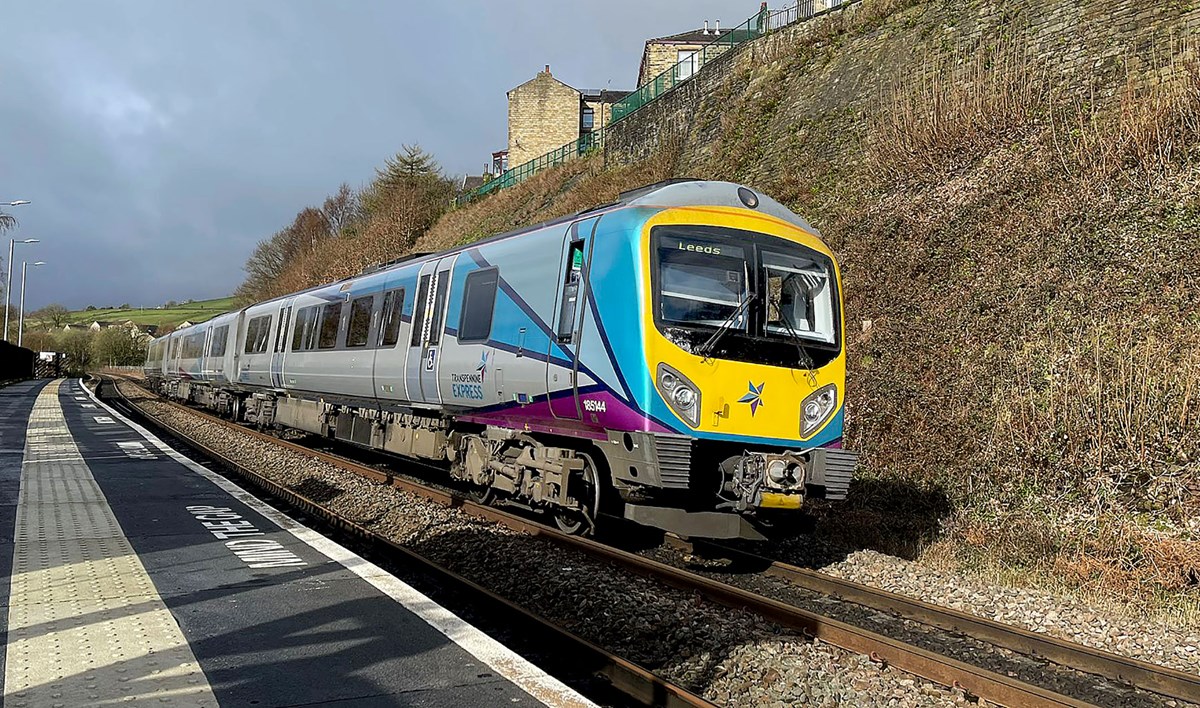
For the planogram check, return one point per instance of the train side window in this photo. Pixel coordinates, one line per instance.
(252, 328)
(331, 320)
(217, 347)
(258, 332)
(570, 299)
(359, 329)
(300, 331)
(439, 309)
(393, 312)
(479, 302)
(419, 307)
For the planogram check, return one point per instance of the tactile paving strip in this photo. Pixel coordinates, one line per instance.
(86, 626)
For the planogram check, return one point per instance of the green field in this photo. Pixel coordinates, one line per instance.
(197, 311)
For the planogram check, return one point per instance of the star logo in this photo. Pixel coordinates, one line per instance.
(753, 396)
(482, 368)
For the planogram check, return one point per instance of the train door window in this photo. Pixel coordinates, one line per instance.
(570, 298)
(479, 302)
(420, 306)
(331, 320)
(175, 347)
(217, 347)
(393, 311)
(439, 309)
(285, 314)
(359, 329)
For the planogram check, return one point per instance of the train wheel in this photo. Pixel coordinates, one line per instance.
(586, 490)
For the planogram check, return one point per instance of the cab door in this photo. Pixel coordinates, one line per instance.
(562, 376)
(428, 325)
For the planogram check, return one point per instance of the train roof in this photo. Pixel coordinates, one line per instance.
(695, 192)
(676, 192)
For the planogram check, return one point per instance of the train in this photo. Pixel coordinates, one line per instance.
(675, 358)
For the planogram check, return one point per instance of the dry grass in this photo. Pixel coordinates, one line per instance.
(1155, 127)
(954, 110)
(1025, 398)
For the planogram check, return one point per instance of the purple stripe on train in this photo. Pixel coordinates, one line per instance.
(601, 410)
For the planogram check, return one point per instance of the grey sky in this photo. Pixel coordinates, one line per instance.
(160, 140)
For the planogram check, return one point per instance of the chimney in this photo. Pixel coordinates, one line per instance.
(706, 27)
(718, 27)
(547, 68)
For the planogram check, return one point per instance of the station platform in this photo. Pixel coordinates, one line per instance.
(132, 575)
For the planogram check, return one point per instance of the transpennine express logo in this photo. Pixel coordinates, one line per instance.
(753, 397)
(482, 368)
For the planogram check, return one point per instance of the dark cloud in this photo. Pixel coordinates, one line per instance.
(160, 141)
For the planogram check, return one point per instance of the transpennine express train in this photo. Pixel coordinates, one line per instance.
(676, 358)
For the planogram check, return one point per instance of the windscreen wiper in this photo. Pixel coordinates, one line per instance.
(805, 359)
(704, 349)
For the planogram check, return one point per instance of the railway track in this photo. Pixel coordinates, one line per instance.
(634, 682)
(974, 680)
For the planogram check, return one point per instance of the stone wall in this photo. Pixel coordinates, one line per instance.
(848, 57)
(543, 115)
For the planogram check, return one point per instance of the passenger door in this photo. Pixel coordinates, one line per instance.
(428, 325)
(391, 339)
(279, 350)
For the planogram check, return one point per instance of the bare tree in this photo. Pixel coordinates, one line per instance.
(342, 211)
(51, 315)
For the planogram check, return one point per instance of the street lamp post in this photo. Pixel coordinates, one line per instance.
(21, 316)
(8, 283)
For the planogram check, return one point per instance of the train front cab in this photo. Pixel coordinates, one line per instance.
(744, 339)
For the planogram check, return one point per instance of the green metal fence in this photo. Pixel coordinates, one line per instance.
(687, 68)
(761, 23)
(587, 143)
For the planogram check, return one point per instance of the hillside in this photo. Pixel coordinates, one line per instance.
(195, 311)
(1011, 189)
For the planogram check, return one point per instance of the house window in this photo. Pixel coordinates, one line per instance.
(587, 120)
(479, 301)
(686, 64)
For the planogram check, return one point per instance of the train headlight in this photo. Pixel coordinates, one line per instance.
(684, 397)
(680, 394)
(816, 409)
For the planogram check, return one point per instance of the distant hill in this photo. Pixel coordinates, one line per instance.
(196, 311)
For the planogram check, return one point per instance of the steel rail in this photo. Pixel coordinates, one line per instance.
(1142, 674)
(940, 669)
(634, 681)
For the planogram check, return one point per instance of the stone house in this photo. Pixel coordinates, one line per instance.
(544, 114)
(683, 52)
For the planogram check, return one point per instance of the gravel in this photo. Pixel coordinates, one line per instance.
(730, 657)
(1120, 630)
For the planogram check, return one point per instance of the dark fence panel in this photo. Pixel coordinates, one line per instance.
(15, 362)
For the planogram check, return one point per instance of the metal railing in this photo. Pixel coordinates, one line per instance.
(585, 144)
(763, 22)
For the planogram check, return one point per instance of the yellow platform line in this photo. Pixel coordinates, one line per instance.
(86, 625)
